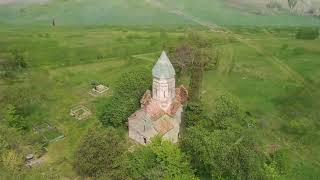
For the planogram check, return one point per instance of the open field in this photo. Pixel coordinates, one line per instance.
(63, 61)
(144, 12)
(275, 76)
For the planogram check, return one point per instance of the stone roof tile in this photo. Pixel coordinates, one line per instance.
(163, 125)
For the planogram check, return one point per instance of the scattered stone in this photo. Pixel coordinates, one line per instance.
(29, 157)
(35, 162)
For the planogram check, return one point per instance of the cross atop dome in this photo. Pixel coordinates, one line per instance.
(163, 68)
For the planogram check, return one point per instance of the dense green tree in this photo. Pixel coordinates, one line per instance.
(131, 86)
(193, 114)
(223, 154)
(160, 160)
(222, 146)
(102, 153)
(228, 115)
(307, 33)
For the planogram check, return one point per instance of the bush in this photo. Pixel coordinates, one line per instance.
(308, 34)
(128, 92)
(101, 153)
(13, 120)
(160, 160)
(299, 126)
(193, 114)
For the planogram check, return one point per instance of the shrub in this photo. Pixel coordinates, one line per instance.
(128, 92)
(13, 119)
(299, 126)
(193, 114)
(308, 34)
(160, 160)
(101, 153)
(298, 51)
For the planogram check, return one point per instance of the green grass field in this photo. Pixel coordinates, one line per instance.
(62, 64)
(143, 12)
(274, 75)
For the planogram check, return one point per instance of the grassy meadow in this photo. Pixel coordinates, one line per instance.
(274, 75)
(63, 61)
(144, 12)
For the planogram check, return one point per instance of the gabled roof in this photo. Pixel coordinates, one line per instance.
(163, 68)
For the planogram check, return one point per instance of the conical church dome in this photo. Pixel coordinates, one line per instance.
(163, 68)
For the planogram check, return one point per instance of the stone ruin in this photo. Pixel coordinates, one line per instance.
(80, 113)
(98, 90)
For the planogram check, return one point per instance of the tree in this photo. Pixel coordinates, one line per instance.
(292, 3)
(102, 152)
(202, 58)
(196, 55)
(223, 154)
(125, 101)
(182, 57)
(307, 33)
(195, 51)
(223, 146)
(193, 114)
(160, 160)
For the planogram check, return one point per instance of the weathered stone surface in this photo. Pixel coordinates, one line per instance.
(160, 112)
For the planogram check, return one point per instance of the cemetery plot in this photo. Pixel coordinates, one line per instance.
(98, 90)
(35, 162)
(48, 132)
(80, 113)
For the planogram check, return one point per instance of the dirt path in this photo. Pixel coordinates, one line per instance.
(290, 73)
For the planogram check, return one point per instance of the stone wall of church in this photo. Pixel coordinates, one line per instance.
(163, 90)
(173, 135)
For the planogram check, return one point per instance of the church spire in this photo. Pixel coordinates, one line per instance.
(163, 81)
(163, 68)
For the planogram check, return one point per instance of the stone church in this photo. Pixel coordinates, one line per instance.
(161, 109)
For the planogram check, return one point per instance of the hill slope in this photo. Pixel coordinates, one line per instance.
(245, 14)
(84, 12)
(145, 12)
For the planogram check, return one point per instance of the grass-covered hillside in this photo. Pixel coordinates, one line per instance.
(145, 12)
(82, 12)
